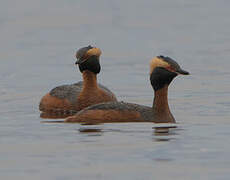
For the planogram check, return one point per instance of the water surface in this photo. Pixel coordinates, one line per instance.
(38, 43)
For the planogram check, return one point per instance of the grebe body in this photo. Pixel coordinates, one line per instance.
(69, 99)
(162, 71)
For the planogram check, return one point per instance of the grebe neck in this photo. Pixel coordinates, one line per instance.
(161, 109)
(89, 80)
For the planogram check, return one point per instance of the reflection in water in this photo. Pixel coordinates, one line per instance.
(43, 41)
(164, 133)
(55, 115)
(163, 129)
(162, 139)
(91, 130)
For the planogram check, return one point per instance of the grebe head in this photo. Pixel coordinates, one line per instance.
(88, 59)
(163, 70)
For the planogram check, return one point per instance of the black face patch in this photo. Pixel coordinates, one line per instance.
(161, 77)
(92, 64)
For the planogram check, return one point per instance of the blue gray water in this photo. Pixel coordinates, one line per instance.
(38, 40)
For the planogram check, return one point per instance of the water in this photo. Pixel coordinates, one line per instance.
(38, 42)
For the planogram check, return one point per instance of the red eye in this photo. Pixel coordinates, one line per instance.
(170, 68)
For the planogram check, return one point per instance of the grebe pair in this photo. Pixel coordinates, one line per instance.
(162, 71)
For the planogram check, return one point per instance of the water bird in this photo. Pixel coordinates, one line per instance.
(68, 99)
(162, 71)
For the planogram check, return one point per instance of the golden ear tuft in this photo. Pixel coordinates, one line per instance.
(157, 62)
(94, 52)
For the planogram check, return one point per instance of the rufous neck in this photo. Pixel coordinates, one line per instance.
(89, 80)
(161, 107)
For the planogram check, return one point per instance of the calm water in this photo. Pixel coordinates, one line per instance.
(38, 42)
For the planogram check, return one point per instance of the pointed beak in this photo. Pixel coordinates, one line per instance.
(79, 61)
(182, 72)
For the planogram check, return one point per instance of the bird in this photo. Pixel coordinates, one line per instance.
(66, 100)
(162, 71)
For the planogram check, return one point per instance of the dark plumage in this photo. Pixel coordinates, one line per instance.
(70, 91)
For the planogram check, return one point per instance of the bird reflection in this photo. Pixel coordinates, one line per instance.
(54, 115)
(164, 133)
(91, 130)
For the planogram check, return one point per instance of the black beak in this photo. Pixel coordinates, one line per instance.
(79, 61)
(181, 71)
